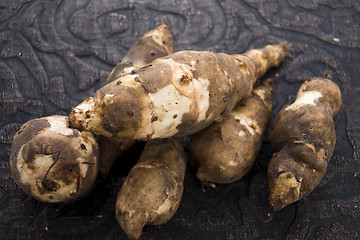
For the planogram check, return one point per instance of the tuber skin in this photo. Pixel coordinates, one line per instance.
(152, 191)
(156, 43)
(152, 45)
(46, 168)
(302, 140)
(226, 151)
(45, 161)
(175, 95)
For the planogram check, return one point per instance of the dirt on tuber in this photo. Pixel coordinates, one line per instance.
(226, 151)
(52, 162)
(156, 43)
(152, 45)
(152, 191)
(302, 140)
(175, 95)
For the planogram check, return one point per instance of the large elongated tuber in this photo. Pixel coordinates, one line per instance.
(152, 191)
(226, 151)
(302, 140)
(175, 95)
(153, 44)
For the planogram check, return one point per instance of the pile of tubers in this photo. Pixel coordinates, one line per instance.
(158, 96)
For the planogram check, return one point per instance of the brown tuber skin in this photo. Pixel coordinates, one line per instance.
(44, 166)
(175, 95)
(226, 151)
(302, 140)
(152, 191)
(153, 44)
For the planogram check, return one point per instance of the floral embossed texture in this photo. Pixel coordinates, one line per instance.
(56, 53)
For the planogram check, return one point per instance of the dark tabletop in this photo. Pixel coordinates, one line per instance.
(56, 53)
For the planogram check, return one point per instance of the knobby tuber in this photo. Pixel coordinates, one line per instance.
(175, 95)
(226, 151)
(152, 191)
(45, 157)
(302, 140)
(45, 167)
(153, 44)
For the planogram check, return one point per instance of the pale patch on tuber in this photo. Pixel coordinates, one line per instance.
(168, 102)
(59, 125)
(307, 98)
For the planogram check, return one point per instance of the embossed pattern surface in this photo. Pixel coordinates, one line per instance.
(53, 54)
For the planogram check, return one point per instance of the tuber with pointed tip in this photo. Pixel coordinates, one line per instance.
(175, 95)
(225, 151)
(302, 140)
(152, 191)
(152, 45)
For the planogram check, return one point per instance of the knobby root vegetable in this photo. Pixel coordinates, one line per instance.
(302, 140)
(175, 95)
(153, 44)
(44, 166)
(152, 191)
(226, 151)
(45, 158)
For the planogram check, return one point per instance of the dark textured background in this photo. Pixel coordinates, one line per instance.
(55, 53)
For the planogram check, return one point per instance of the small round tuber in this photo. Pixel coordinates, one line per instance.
(44, 166)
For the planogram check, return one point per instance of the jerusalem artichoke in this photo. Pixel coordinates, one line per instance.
(152, 191)
(175, 95)
(302, 140)
(225, 151)
(44, 166)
